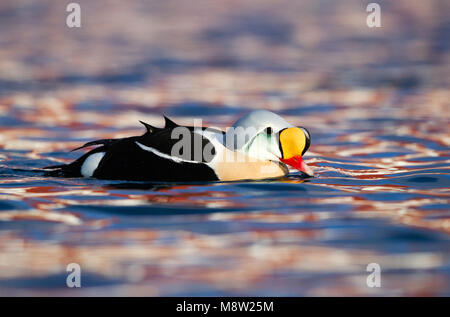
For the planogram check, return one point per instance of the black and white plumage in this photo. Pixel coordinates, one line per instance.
(142, 158)
(151, 156)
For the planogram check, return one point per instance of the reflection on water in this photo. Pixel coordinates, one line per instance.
(375, 101)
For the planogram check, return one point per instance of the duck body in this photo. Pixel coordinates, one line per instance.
(180, 154)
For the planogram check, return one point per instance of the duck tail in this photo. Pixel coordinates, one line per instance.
(63, 170)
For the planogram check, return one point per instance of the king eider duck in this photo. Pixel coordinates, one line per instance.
(260, 145)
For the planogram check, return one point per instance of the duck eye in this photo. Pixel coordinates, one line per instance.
(269, 131)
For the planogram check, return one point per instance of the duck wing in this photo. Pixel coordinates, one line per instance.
(164, 155)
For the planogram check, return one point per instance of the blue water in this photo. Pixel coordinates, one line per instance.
(375, 102)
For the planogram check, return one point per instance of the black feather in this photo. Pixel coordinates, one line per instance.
(104, 142)
(124, 159)
(150, 128)
(52, 167)
(169, 123)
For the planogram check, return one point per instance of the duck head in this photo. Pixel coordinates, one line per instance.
(294, 142)
(267, 136)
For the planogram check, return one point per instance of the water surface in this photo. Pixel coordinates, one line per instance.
(375, 101)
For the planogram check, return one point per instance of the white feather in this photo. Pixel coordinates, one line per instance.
(160, 154)
(254, 123)
(90, 164)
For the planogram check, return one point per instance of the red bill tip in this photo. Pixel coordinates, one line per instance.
(298, 163)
